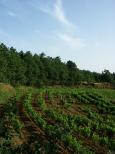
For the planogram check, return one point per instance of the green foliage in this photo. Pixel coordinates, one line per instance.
(5, 147)
(17, 125)
(29, 109)
(89, 119)
(41, 103)
(95, 138)
(23, 68)
(76, 145)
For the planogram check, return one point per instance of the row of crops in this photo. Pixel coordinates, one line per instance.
(54, 132)
(95, 127)
(69, 121)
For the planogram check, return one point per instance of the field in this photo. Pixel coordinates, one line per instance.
(57, 121)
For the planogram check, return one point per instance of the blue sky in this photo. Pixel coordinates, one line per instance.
(78, 30)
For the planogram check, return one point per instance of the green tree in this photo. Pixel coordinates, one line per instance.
(106, 76)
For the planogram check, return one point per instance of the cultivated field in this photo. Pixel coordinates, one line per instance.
(57, 120)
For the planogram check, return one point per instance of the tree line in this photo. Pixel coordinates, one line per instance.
(24, 68)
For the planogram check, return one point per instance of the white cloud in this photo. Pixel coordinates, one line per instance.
(58, 13)
(68, 36)
(12, 14)
(72, 41)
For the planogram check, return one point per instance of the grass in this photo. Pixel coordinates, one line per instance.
(6, 91)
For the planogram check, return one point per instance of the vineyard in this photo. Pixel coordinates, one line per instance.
(58, 120)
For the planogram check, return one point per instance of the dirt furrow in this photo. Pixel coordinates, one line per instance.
(30, 127)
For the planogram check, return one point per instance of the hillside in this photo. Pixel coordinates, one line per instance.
(24, 68)
(52, 112)
(57, 120)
